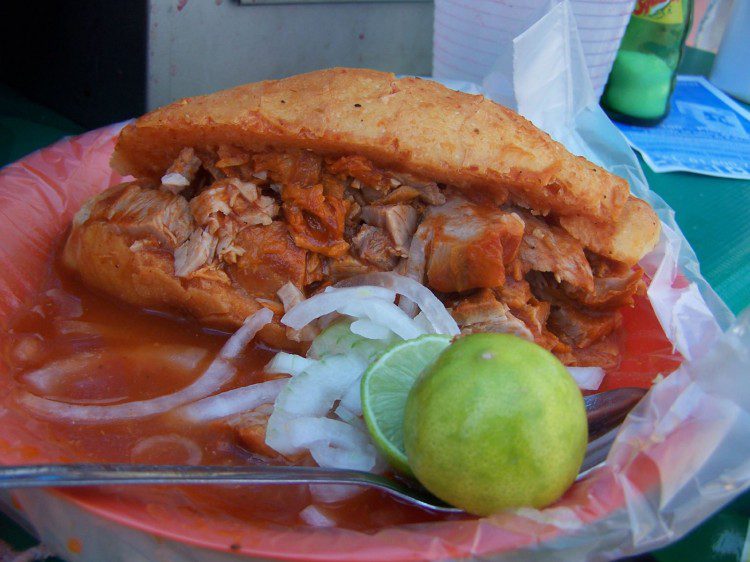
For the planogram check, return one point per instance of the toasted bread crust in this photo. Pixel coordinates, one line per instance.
(633, 235)
(102, 257)
(408, 124)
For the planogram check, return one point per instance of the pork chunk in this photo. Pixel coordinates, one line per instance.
(429, 192)
(270, 260)
(316, 221)
(232, 199)
(301, 168)
(181, 173)
(482, 312)
(195, 252)
(145, 213)
(348, 266)
(470, 245)
(609, 292)
(551, 249)
(375, 246)
(399, 221)
(580, 328)
(363, 171)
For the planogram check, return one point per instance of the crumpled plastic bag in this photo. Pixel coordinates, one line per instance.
(679, 456)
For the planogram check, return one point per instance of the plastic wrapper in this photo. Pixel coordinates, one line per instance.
(678, 457)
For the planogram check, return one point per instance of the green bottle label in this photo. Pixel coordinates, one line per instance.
(659, 11)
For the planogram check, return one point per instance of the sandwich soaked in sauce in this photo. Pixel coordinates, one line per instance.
(265, 194)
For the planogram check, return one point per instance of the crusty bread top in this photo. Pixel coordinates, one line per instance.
(408, 124)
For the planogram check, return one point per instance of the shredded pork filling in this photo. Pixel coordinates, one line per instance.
(284, 225)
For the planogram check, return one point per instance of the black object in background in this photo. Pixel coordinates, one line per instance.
(86, 59)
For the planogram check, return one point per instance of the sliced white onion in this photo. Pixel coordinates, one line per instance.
(46, 378)
(239, 340)
(303, 415)
(308, 430)
(324, 303)
(369, 329)
(351, 417)
(587, 378)
(333, 493)
(290, 295)
(193, 451)
(68, 306)
(332, 443)
(314, 391)
(351, 401)
(88, 401)
(288, 363)
(183, 357)
(89, 330)
(362, 458)
(218, 373)
(256, 416)
(441, 321)
(89, 373)
(310, 394)
(416, 263)
(316, 518)
(232, 402)
(384, 313)
(421, 321)
(175, 179)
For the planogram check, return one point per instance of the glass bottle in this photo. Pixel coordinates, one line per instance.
(643, 74)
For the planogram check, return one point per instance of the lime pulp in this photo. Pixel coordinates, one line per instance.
(385, 387)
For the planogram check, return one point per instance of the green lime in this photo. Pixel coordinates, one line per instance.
(496, 422)
(385, 386)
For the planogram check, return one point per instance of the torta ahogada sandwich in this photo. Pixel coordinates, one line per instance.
(264, 194)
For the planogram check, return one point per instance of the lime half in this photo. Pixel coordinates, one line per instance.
(385, 387)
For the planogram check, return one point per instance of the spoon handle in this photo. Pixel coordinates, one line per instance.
(605, 411)
(97, 474)
(69, 475)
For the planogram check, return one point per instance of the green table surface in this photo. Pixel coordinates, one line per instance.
(711, 212)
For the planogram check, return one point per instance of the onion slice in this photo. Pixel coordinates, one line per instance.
(441, 321)
(233, 401)
(369, 329)
(311, 394)
(218, 373)
(78, 368)
(383, 313)
(587, 378)
(416, 263)
(314, 517)
(192, 450)
(67, 305)
(44, 379)
(329, 301)
(333, 443)
(288, 363)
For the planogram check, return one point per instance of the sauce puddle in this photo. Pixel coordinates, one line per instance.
(95, 350)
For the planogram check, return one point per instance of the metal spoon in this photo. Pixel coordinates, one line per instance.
(605, 412)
